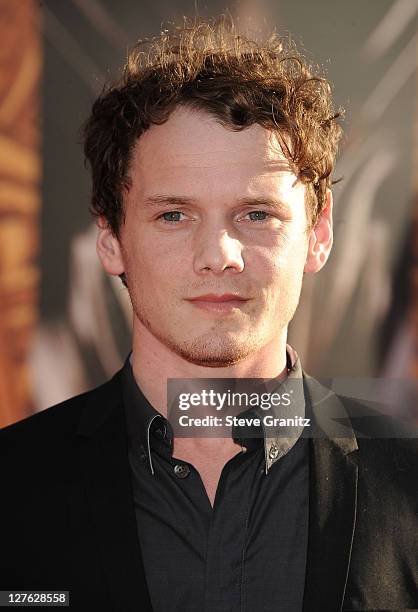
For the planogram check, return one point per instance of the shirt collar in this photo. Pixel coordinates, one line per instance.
(142, 418)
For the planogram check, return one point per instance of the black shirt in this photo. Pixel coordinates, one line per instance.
(246, 553)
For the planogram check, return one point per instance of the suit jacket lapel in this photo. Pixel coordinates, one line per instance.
(332, 500)
(104, 470)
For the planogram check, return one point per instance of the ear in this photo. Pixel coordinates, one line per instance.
(108, 249)
(320, 239)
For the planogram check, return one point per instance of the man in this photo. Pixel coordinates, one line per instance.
(211, 164)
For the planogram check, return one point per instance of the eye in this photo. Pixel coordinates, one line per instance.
(258, 215)
(171, 217)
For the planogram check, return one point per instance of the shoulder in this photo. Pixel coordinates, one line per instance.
(385, 442)
(56, 421)
(40, 450)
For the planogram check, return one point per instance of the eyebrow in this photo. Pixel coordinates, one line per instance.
(171, 200)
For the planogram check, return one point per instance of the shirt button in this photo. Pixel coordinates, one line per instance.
(160, 432)
(273, 452)
(181, 470)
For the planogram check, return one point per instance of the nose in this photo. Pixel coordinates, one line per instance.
(217, 251)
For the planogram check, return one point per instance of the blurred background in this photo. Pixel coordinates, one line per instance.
(65, 325)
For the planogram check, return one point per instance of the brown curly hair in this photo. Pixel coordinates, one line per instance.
(209, 66)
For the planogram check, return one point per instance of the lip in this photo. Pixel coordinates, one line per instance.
(213, 298)
(221, 304)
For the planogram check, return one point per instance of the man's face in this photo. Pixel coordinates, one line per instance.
(212, 211)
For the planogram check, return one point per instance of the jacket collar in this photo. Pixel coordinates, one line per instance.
(330, 419)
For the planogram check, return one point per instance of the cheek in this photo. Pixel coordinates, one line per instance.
(266, 274)
(154, 268)
(291, 253)
(270, 263)
(278, 269)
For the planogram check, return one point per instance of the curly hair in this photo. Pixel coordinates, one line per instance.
(209, 66)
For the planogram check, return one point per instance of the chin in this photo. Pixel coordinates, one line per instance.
(205, 354)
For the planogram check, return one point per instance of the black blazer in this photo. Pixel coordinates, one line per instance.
(67, 519)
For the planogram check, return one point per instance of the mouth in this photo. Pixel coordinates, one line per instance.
(228, 302)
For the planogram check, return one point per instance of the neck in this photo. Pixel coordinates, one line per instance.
(153, 363)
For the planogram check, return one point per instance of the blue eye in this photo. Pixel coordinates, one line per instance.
(258, 213)
(170, 216)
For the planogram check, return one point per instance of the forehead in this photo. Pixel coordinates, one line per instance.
(192, 147)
